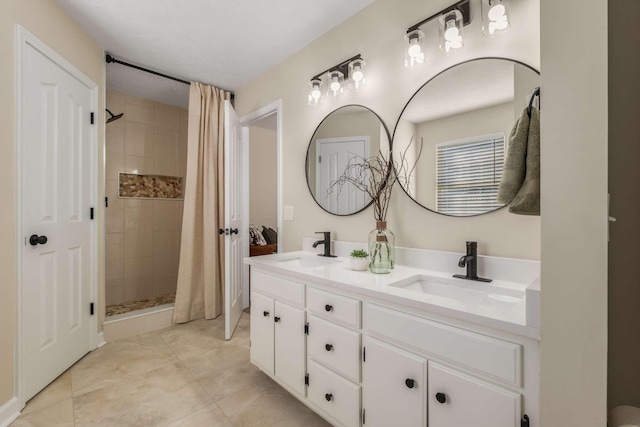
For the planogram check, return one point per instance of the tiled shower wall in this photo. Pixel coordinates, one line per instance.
(143, 235)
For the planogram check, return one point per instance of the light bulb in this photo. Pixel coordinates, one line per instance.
(357, 76)
(452, 33)
(496, 12)
(335, 86)
(315, 93)
(414, 50)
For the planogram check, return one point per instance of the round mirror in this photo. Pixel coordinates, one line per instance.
(457, 126)
(346, 134)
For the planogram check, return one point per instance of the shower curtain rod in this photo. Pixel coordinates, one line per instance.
(110, 59)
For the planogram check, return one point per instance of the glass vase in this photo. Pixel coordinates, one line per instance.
(381, 249)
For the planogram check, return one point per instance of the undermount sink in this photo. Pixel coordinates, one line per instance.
(462, 290)
(307, 261)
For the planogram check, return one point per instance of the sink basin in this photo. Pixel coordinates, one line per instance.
(464, 291)
(307, 261)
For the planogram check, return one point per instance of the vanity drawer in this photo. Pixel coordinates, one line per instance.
(500, 359)
(281, 289)
(334, 307)
(335, 346)
(335, 395)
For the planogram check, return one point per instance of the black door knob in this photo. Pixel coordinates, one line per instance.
(276, 319)
(328, 347)
(441, 397)
(328, 307)
(220, 230)
(329, 397)
(234, 231)
(410, 383)
(35, 240)
(265, 313)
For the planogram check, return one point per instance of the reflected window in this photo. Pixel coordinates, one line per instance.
(468, 174)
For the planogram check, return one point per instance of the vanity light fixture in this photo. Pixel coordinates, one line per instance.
(451, 19)
(334, 79)
(495, 17)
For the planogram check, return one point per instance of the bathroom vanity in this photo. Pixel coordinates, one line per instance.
(412, 348)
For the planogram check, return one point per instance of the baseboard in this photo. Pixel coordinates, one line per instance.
(9, 412)
(101, 340)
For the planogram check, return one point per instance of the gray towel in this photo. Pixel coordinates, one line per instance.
(514, 165)
(527, 201)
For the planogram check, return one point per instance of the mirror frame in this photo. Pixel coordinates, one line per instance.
(306, 161)
(416, 93)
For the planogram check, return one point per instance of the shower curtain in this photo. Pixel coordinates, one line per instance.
(200, 286)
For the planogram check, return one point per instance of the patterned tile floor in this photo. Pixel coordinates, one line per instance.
(126, 307)
(185, 375)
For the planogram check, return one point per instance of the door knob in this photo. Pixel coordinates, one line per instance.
(234, 231)
(410, 383)
(328, 347)
(441, 397)
(220, 230)
(35, 240)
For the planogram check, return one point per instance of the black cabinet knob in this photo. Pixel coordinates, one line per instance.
(328, 347)
(35, 240)
(328, 307)
(276, 319)
(265, 313)
(410, 383)
(329, 397)
(441, 397)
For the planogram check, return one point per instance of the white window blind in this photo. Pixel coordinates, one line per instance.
(468, 175)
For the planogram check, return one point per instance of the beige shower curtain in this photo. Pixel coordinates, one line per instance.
(201, 270)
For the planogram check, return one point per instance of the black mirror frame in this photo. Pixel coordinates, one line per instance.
(306, 162)
(411, 99)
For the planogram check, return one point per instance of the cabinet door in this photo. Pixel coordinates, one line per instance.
(290, 351)
(394, 386)
(262, 314)
(456, 399)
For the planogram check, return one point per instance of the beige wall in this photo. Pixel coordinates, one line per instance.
(624, 176)
(263, 171)
(45, 20)
(143, 235)
(377, 33)
(573, 369)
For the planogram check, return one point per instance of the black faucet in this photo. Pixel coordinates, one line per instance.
(470, 260)
(326, 242)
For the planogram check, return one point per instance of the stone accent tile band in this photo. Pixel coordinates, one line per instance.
(149, 186)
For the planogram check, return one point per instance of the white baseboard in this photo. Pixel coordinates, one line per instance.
(9, 412)
(101, 340)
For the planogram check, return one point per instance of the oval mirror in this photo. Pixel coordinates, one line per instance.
(348, 133)
(458, 123)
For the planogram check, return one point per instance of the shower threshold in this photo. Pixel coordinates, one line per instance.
(128, 307)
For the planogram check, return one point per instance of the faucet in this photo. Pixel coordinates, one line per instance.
(470, 260)
(326, 242)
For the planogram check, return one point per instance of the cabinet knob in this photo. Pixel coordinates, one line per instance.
(265, 313)
(328, 307)
(441, 397)
(328, 347)
(276, 319)
(410, 383)
(329, 397)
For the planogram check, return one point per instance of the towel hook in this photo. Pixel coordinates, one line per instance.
(536, 92)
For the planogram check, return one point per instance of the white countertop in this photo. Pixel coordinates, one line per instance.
(511, 318)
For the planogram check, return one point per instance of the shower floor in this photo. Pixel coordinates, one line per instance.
(127, 307)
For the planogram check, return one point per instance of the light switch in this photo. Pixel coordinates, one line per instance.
(288, 213)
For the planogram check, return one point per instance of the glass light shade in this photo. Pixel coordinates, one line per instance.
(335, 83)
(315, 92)
(451, 25)
(414, 49)
(495, 17)
(356, 73)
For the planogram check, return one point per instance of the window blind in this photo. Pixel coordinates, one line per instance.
(468, 175)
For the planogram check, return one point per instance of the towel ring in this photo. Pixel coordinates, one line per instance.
(536, 92)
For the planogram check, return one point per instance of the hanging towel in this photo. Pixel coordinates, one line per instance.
(514, 165)
(527, 201)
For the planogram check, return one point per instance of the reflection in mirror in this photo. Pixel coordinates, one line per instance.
(463, 117)
(348, 132)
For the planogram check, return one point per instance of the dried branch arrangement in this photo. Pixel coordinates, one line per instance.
(376, 176)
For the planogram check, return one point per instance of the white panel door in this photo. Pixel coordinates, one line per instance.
(332, 158)
(456, 399)
(290, 352)
(233, 206)
(394, 387)
(262, 339)
(56, 198)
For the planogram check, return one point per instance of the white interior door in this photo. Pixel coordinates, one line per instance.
(233, 219)
(56, 200)
(332, 158)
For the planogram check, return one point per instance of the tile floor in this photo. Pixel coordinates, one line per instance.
(185, 375)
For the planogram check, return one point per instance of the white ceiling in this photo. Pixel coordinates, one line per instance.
(219, 42)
